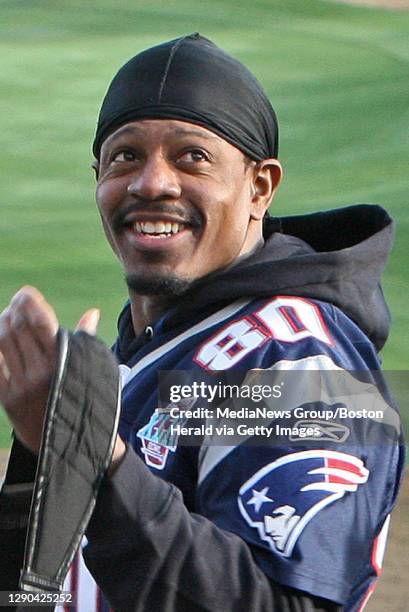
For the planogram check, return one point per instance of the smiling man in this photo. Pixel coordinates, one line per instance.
(178, 202)
(186, 163)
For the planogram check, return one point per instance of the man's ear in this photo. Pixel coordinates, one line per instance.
(95, 167)
(267, 176)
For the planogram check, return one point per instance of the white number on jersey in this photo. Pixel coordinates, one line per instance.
(291, 319)
(287, 319)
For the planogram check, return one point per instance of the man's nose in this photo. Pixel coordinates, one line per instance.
(155, 179)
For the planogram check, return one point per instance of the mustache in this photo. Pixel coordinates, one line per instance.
(119, 222)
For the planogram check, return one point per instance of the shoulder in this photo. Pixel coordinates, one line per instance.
(284, 327)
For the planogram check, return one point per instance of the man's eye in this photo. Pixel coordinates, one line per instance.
(194, 155)
(123, 156)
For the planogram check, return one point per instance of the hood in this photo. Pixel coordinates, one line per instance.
(336, 256)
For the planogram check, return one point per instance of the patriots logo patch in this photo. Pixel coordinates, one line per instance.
(283, 496)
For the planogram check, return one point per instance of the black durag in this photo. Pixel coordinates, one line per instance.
(193, 80)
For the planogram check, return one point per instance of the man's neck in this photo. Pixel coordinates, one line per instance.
(146, 309)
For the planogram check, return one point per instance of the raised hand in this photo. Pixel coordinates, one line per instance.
(28, 352)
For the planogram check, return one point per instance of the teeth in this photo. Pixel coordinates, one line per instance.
(158, 227)
(150, 228)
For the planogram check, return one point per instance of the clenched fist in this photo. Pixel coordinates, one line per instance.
(28, 353)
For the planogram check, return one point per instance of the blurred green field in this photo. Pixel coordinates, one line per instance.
(337, 76)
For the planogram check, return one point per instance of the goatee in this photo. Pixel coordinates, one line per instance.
(169, 286)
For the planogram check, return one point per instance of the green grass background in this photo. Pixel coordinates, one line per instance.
(336, 74)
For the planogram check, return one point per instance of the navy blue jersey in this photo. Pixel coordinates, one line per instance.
(315, 514)
(235, 486)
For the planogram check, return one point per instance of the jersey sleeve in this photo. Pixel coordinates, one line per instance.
(311, 493)
(313, 518)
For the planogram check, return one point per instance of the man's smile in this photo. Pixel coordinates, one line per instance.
(152, 234)
(158, 228)
(150, 229)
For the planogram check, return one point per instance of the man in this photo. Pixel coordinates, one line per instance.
(186, 163)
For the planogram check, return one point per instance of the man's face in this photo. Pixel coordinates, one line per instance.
(175, 202)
